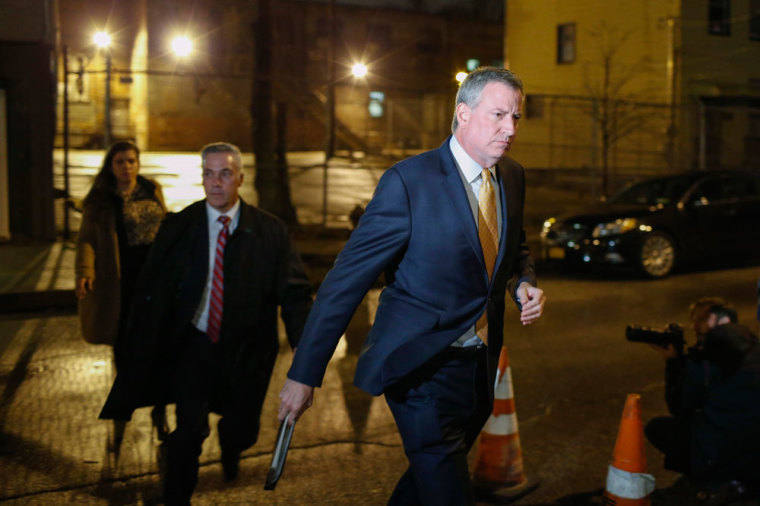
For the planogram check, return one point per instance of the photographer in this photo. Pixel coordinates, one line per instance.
(713, 393)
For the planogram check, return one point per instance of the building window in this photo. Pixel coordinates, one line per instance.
(752, 143)
(566, 43)
(534, 106)
(719, 17)
(754, 20)
(430, 41)
(78, 81)
(376, 99)
(381, 35)
(322, 28)
(472, 64)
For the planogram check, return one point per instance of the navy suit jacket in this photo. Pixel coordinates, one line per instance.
(419, 229)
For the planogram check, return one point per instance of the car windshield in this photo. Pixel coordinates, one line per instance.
(652, 192)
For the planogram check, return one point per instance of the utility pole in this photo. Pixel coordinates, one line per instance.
(107, 119)
(672, 76)
(271, 181)
(329, 106)
(66, 230)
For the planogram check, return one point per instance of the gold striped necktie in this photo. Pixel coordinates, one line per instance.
(489, 238)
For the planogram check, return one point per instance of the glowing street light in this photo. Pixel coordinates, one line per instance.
(102, 39)
(182, 46)
(460, 77)
(359, 70)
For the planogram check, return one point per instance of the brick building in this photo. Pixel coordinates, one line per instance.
(167, 102)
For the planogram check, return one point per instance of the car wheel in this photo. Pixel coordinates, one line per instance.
(658, 255)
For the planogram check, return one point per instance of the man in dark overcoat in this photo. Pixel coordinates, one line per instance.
(203, 328)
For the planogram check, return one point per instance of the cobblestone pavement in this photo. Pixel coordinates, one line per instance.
(54, 450)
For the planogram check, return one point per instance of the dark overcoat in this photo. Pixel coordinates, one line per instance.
(262, 272)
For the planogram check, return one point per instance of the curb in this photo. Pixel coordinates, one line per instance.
(16, 279)
(21, 302)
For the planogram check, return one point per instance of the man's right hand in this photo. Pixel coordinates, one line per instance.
(295, 398)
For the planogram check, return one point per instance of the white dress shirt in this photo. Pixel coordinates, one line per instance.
(200, 320)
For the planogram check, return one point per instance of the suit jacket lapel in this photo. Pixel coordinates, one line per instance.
(506, 202)
(195, 254)
(454, 188)
(247, 225)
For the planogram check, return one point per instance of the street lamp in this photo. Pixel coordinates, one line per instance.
(359, 70)
(103, 41)
(182, 45)
(461, 76)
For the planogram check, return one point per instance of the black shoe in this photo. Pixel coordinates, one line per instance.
(230, 464)
(158, 416)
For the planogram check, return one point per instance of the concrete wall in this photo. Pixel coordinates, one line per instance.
(27, 75)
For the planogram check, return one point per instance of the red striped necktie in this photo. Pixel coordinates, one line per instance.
(216, 302)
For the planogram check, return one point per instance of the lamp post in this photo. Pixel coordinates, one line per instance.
(66, 229)
(329, 106)
(103, 41)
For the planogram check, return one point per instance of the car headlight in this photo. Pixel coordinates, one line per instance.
(547, 226)
(617, 227)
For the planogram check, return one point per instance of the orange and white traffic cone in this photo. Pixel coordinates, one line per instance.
(627, 481)
(499, 474)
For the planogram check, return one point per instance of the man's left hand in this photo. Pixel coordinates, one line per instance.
(532, 300)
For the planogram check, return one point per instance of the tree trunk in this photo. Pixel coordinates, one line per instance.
(288, 211)
(271, 182)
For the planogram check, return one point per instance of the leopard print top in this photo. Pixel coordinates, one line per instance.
(142, 216)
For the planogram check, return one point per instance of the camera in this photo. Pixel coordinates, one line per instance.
(672, 334)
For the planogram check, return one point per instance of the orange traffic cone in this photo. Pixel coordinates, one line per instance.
(499, 474)
(627, 481)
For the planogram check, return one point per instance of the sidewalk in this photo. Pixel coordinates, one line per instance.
(41, 275)
(54, 450)
(36, 276)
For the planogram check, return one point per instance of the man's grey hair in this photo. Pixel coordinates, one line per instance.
(223, 147)
(472, 87)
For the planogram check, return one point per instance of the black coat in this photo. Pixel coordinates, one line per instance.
(716, 392)
(261, 271)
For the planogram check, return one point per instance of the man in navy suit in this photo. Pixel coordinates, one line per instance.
(446, 227)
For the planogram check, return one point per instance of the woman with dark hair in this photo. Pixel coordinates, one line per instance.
(121, 215)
